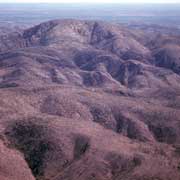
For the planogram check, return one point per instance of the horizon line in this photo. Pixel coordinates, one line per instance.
(89, 3)
(152, 3)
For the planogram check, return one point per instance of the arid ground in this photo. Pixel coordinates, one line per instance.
(89, 100)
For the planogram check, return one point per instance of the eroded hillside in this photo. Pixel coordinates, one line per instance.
(89, 100)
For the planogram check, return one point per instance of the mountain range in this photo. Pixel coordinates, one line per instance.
(89, 100)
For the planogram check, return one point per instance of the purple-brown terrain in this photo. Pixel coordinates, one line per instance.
(89, 100)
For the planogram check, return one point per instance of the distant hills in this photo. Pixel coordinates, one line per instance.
(31, 14)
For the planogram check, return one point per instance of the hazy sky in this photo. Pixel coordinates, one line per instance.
(90, 1)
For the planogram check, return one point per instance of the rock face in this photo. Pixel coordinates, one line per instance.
(89, 100)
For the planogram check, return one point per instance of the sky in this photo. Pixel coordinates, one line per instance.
(89, 1)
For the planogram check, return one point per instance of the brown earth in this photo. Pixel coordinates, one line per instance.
(89, 101)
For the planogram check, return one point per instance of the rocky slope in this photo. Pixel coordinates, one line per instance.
(89, 100)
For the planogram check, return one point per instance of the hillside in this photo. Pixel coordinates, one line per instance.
(89, 100)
